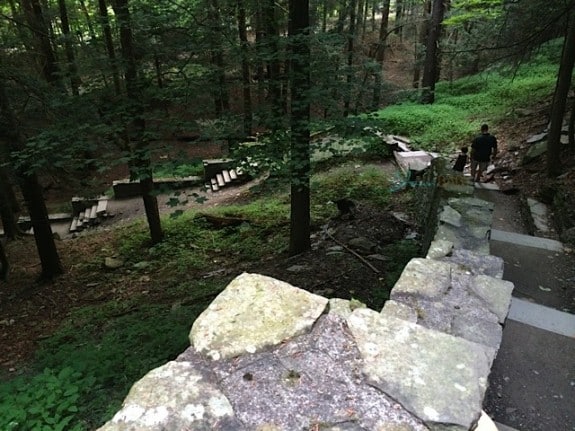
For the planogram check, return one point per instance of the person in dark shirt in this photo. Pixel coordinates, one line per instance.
(461, 160)
(483, 149)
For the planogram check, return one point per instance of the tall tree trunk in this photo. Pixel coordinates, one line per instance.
(300, 154)
(260, 51)
(431, 66)
(4, 265)
(420, 43)
(383, 31)
(221, 98)
(572, 128)
(359, 21)
(343, 11)
(560, 100)
(398, 17)
(350, 45)
(44, 53)
(7, 209)
(32, 193)
(324, 16)
(140, 164)
(380, 54)
(274, 65)
(246, 81)
(69, 49)
(364, 21)
(373, 10)
(86, 14)
(109, 42)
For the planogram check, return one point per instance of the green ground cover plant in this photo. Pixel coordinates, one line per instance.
(462, 105)
(179, 169)
(82, 372)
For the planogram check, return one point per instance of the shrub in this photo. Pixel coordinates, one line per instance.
(351, 181)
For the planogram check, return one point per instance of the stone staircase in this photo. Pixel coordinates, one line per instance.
(220, 173)
(88, 212)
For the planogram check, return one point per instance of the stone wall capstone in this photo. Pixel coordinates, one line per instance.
(268, 356)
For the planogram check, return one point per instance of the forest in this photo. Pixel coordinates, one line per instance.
(89, 87)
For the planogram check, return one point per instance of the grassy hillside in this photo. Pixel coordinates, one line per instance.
(461, 106)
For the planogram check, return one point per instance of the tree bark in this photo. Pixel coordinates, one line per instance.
(421, 41)
(140, 164)
(4, 265)
(380, 53)
(350, 45)
(342, 16)
(46, 58)
(7, 209)
(560, 100)
(324, 16)
(69, 49)
(221, 98)
(300, 220)
(398, 17)
(383, 31)
(359, 21)
(431, 66)
(572, 128)
(109, 42)
(246, 81)
(32, 193)
(274, 68)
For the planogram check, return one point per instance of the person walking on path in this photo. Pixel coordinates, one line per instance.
(483, 149)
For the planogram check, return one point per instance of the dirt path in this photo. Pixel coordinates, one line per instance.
(130, 209)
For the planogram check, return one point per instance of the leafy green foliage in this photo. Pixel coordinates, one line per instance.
(353, 181)
(399, 254)
(102, 350)
(192, 244)
(50, 400)
(463, 105)
(179, 169)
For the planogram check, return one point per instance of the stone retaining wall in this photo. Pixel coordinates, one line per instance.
(269, 356)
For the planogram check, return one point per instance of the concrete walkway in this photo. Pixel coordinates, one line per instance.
(532, 383)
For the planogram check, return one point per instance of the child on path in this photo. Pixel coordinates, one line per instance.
(461, 160)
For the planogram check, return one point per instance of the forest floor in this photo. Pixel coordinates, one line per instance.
(30, 312)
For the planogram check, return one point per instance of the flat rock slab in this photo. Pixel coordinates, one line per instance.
(473, 262)
(414, 160)
(450, 298)
(438, 377)
(175, 396)
(252, 313)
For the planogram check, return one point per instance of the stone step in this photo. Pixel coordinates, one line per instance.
(220, 180)
(233, 174)
(74, 225)
(215, 186)
(93, 215)
(226, 175)
(102, 206)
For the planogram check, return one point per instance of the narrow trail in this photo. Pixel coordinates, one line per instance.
(532, 382)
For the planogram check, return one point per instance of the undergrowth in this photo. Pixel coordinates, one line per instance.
(461, 106)
(81, 373)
